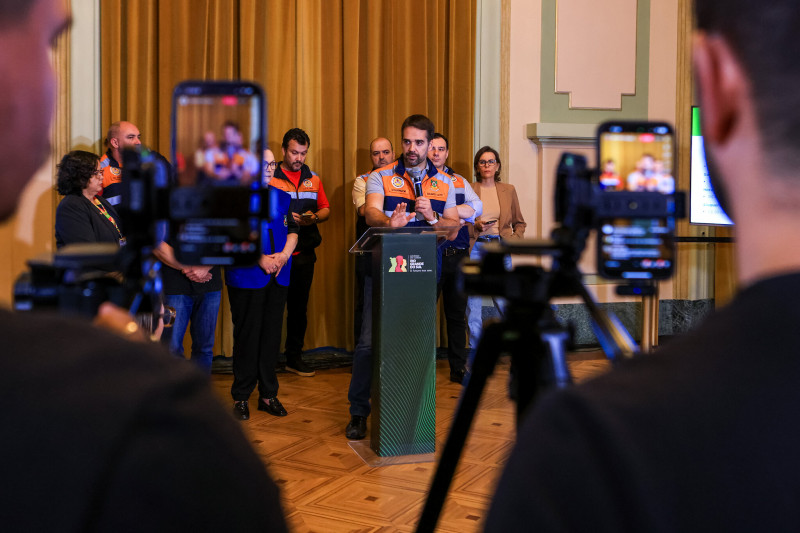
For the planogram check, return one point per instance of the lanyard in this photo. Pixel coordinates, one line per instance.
(100, 207)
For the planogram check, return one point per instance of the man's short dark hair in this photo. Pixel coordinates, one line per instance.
(297, 135)
(438, 135)
(420, 122)
(763, 35)
(231, 124)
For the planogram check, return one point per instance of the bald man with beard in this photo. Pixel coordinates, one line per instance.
(381, 153)
(121, 135)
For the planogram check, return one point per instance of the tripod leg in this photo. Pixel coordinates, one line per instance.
(538, 356)
(489, 349)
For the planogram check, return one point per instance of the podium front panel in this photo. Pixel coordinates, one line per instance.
(404, 345)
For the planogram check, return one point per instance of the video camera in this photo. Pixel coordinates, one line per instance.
(634, 219)
(632, 204)
(209, 205)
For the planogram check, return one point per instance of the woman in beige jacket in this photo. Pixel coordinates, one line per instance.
(501, 220)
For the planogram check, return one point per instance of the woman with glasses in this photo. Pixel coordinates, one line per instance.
(501, 219)
(257, 295)
(83, 215)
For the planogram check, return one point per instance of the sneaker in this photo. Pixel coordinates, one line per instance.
(297, 366)
(240, 410)
(357, 428)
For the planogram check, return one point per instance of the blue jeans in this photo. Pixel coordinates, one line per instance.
(201, 310)
(474, 303)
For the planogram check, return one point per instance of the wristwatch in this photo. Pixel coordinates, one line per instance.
(435, 219)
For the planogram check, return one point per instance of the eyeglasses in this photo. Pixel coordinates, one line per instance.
(487, 162)
(97, 173)
(272, 164)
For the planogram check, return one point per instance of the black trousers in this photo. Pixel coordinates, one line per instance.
(257, 320)
(297, 302)
(455, 307)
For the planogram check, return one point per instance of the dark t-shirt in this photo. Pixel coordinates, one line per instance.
(701, 436)
(104, 435)
(175, 282)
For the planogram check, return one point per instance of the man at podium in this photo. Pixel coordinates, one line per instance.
(408, 192)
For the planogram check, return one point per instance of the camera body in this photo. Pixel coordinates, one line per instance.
(208, 222)
(74, 281)
(635, 228)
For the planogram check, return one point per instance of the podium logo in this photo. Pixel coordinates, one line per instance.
(397, 264)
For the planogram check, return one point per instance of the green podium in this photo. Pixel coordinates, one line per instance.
(403, 392)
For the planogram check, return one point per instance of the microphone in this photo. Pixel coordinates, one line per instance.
(416, 177)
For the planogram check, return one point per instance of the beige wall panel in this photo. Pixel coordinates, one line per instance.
(663, 73)
(521, 105)
(596, 52)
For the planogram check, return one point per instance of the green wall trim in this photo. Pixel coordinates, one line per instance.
(550, 131)
(555, 106)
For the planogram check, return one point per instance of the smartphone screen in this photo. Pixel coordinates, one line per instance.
(636, 157)
(218, 138)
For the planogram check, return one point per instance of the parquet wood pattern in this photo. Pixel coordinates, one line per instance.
(327, 488)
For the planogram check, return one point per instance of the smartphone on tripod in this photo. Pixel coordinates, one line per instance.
(635, 157)
(215, 204)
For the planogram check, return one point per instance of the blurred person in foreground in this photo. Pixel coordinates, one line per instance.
(701, 435)
(102, 434)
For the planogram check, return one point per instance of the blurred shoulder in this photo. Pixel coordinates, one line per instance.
(48, 347)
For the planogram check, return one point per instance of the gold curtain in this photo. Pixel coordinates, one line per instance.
(346, 71)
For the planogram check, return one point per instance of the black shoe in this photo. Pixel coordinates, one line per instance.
(296, 365)
(240, 410)
(457, 376)
(272, 406)
(357, 428)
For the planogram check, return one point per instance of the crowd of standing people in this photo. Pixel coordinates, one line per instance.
(281, 280)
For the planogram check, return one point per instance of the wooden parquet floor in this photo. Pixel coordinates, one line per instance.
(326, 487)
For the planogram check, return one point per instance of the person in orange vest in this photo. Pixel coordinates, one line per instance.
(310, 207)
(469, 206)
(121, 135)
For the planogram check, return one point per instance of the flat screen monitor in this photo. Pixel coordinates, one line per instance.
(703, 205)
